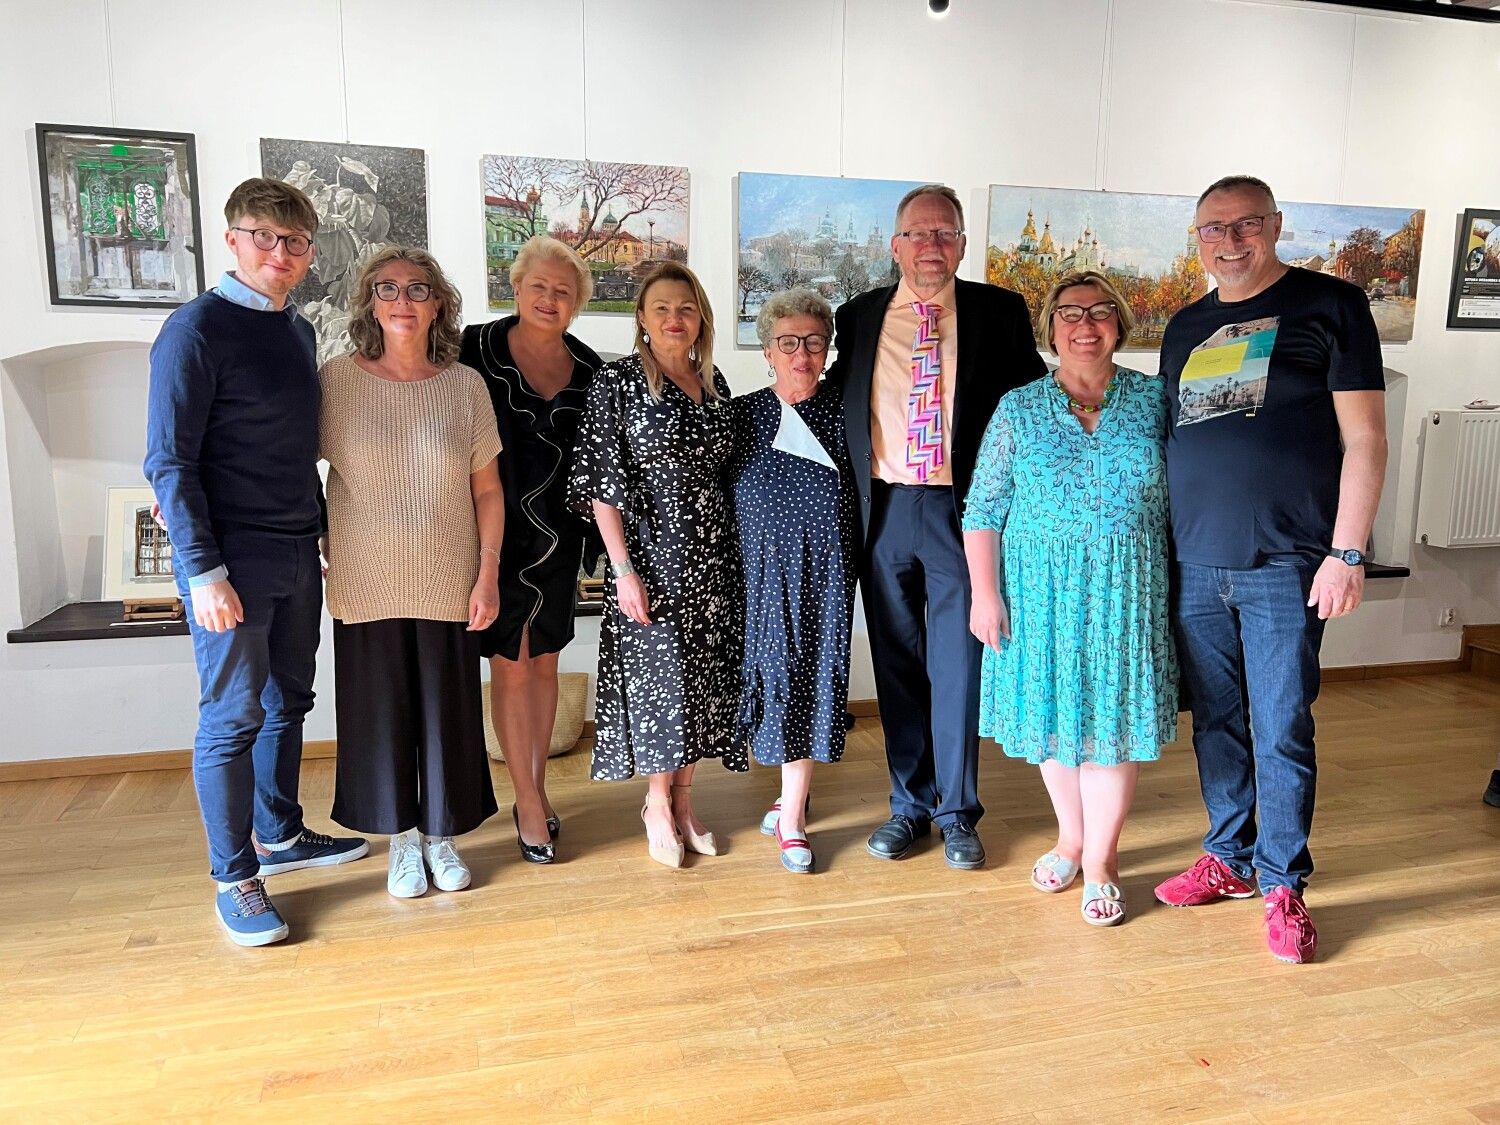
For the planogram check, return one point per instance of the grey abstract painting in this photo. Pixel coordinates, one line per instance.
(367, 197)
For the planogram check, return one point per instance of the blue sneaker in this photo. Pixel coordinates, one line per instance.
(313, 849)
(248, 916)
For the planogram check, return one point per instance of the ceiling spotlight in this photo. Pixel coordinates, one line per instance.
(937, 9)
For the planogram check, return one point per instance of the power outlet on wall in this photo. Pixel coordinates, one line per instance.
(1447, 617)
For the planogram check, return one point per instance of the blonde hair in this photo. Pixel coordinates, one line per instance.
(703, 348)
(544, 248)
(446, 332)
(1096, 279)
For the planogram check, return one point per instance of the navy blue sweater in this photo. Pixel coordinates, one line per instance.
(232, 427)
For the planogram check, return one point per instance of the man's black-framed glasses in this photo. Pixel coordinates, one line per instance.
(1099, 310)
(815, 342)
(417, 291)
(946, 235)
(266, 239)
(1247, 227)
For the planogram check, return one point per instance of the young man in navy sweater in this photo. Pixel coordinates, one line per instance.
(231, 453)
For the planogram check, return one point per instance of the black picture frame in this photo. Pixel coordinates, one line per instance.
(1474, 293)
(172, 249)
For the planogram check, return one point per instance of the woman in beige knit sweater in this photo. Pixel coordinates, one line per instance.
(415, 517)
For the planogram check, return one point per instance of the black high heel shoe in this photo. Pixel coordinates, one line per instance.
(554, 827)
(532, 853)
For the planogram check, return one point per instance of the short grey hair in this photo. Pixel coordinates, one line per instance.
(544, 248)
(1229, 183)
(792, 302)
(942, 191)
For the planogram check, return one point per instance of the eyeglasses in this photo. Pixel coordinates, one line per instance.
(1099, 310)
(417, 291)
(266, 239)
(921, 237)
(815, 343)
(1243, 228)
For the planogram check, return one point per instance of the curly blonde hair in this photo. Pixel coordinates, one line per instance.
(446, 333)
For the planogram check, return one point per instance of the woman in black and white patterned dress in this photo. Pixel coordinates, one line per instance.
(655, 439)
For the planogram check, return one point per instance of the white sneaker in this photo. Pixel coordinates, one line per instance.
(449, 873)
(407, 878)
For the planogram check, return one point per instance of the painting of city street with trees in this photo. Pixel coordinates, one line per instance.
(1376, 248)
(621, 219)
(824, 232)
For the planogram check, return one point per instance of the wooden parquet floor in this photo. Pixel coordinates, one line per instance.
(609, 988)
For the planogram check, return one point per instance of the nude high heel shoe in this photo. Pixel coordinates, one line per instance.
(699, 845)
(669, 854)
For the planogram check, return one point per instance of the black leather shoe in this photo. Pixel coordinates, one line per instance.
(532, 853)
(962, 847)
(894, 838)
(1492, 794)
(554, 827)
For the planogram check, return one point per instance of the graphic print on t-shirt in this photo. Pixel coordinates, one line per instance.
(1226, 374)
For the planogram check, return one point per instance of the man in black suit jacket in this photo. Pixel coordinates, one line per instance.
(913, 574)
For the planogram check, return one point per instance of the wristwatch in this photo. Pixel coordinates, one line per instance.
(1351, 556)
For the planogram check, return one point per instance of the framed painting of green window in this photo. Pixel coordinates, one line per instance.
(120, 212)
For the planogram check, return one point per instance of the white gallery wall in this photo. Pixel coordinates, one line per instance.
(1127, 95)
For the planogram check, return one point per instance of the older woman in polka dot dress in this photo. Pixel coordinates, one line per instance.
(793, 494)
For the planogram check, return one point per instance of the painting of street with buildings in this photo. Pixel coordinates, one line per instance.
(621, 219)
(1140, 242)
(1376, 248)
(825, 232)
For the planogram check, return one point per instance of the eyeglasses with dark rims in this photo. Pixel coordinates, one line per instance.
(416, 292)
(946, 235)
(1099, 310)
(266, 239)
(815, 342)
(1247, 227)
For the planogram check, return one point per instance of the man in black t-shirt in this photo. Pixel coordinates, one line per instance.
(1275, 456)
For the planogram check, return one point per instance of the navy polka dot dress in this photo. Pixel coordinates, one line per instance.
(794, 507)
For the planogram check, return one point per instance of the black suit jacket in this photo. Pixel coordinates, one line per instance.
(996, 353)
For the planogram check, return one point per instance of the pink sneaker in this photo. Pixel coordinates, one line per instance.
(1206, 881)
(1290, 933)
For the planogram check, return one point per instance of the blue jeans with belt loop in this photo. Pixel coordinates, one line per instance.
(1248, 643)
(255, 688)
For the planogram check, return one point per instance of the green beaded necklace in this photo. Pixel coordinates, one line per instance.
(1084, 407)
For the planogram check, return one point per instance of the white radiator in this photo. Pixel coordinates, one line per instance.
(1459, 503)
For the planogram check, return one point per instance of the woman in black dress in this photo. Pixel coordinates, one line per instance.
(538, 377)
(652, 451)
(793, 494)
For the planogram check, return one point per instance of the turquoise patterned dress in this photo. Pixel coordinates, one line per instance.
(1089, 673)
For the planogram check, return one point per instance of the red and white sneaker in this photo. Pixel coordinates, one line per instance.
(1290, 933)
(1206, 881)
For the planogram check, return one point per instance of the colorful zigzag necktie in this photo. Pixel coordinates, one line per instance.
(924, 406)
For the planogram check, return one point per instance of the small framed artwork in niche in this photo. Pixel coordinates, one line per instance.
(137, 552)
(120, 214)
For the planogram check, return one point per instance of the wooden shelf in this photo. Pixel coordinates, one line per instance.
(93, 621)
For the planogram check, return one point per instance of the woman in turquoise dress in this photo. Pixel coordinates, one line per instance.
(1079, 672)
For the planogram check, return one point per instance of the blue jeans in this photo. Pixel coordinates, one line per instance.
(1248, 644)
(256, 686)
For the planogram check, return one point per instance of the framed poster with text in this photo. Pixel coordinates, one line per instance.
(1474, 298)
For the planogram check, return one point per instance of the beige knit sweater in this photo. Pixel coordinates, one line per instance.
(402, 540)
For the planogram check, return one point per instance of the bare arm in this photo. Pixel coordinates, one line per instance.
(630, 590)
(988, 619)
(489, 516)
(1337, 588)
